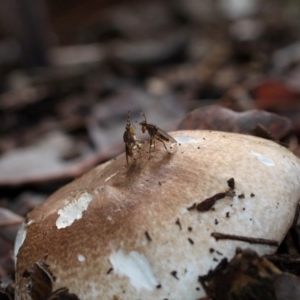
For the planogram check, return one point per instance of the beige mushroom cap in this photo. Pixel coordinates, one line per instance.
(126, 233)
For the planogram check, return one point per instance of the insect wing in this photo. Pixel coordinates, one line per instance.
(165, 136)
(125, 136)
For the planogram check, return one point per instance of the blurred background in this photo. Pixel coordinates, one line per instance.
(71, 70)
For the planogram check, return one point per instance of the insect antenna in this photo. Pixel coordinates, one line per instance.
(128, 123)
(143, 116)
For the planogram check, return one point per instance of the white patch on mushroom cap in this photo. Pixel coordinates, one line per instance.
(135, 266)
(73, 210)
(264, 159)
(80, 257)
(185, 139)
(21, 236)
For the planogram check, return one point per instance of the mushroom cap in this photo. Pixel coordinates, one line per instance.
(126, 233)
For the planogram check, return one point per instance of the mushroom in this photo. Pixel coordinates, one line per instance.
(142, 231)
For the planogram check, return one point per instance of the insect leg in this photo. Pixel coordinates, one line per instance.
(163, 143)
(127, 153)
(151, 143)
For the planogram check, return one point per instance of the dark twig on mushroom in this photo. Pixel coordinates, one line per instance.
(250, 240)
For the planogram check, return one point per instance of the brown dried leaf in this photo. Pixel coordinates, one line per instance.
(287, 287)
(247, 276)
(275, 95)
(208, 203)
(7, 292)
(222, 119)
(40, 283)
(40, 280)
(286, 262)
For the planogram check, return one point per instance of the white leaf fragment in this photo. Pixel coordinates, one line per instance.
(73, 210)
(21, 236)
(135, 266)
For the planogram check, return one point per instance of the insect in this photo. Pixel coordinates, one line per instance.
(130, 140)
(155, 134)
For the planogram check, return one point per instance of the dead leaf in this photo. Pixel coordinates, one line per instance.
(9, 224)
(247, 276)
(274, 95)
(222, 119)
(287, 287)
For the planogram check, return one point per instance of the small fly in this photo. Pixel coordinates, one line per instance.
(130, 139)
(155, 134)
